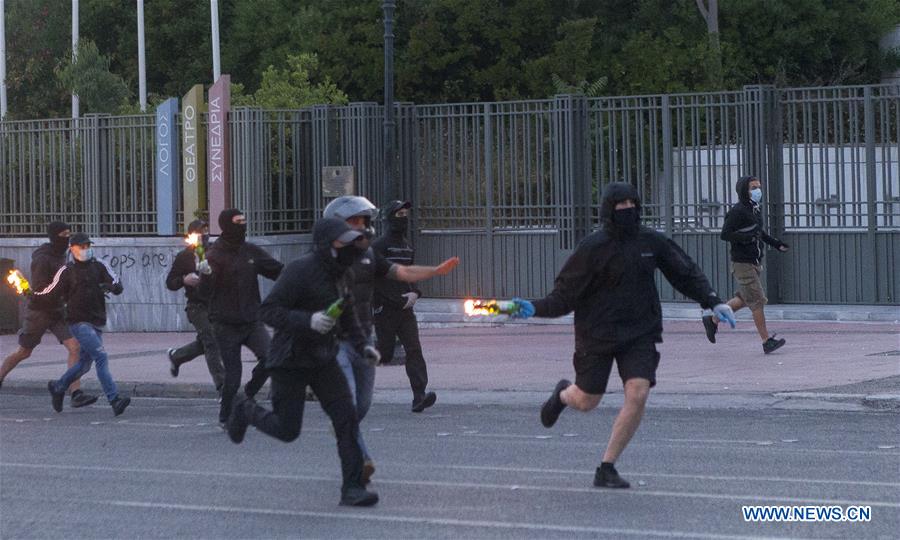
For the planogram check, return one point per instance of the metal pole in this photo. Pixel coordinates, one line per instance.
(2, 59)
(142, 66)
(214, 13)
(390, 184)
(74, 52)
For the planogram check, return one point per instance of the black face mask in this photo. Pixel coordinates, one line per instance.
(235, 233)
(204, 240)
(627, 220)
(59, 243)
(399, 224)
(346, 255)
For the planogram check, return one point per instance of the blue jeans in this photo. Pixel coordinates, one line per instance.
(90, 338)
(361, 378)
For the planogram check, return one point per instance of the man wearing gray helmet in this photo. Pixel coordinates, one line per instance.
(358, 212)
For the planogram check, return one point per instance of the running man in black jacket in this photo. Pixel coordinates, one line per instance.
(84, 284)
(184, 274)
(393, 303)
(609, 283)
(43, 313)
(743, 228)
(304, 352)
(229, 274)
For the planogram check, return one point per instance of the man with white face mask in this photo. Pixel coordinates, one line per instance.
(743, 228)
(83, 284)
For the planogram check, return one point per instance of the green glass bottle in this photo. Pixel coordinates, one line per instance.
(336, 309)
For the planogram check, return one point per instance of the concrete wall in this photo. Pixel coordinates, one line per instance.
(142, 264)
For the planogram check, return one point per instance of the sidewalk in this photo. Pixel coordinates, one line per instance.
(827, 363)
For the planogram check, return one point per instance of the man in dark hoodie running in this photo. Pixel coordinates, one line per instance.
(43, 313)
(393, 303)
(358, 212)
(609, 283)
(229, 275)
(305, 348)
(184, 274)
(743, 228)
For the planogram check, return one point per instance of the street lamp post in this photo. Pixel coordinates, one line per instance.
(390, 184)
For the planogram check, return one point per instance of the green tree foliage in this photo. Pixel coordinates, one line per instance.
(88, 77)
(290, 88)
(458, 50)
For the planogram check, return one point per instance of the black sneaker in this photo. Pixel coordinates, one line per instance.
(119, 404)
(609, 478)
(368, 471)
(358, 496)
(173, 367)
(56, 398)
(425, 401)
(711, 328)
(553, 407)
(237, 422)
(80, 399)
(772, 344)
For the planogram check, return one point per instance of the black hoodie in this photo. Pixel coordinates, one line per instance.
(232, 287)
(186, 263)
(743, 227)
(609, 281)
(307, 285)
(393, 246)
(82, 285)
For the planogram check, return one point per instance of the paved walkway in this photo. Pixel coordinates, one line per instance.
(856, 364)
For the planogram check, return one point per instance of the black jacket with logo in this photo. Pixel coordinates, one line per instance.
(82, 285)
(45, 262)
(306, 286)
(743, 227)
(609, 282)
(232, 287)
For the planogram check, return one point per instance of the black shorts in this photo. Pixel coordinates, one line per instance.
(592, 369)
(37, 323)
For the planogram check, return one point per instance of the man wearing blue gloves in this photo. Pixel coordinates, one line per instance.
(609, 283)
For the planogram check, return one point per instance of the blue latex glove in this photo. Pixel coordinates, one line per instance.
(725, 313)
(525, 309)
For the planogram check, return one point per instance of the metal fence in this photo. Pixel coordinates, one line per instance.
(503, 183)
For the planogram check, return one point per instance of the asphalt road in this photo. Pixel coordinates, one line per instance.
(163, 470)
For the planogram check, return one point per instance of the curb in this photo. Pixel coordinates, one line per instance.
(778, 400)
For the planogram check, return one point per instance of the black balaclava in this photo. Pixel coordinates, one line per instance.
(326, 231)
(396, 225)
(624, 222)
(197, 226)
(59, 243)
(233, 233)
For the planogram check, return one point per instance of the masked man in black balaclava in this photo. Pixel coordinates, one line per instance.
(228, 276)
(305, 347)
(609, 283)
(47, 313)
(394, 301)
(184, 274)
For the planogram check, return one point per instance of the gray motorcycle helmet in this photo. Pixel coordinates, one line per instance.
(348, 206)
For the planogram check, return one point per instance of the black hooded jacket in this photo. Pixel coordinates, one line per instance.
(609, 282)
(743, 227)
(82, 286)
(307, 285)
(232, 287)
(393, 246)
(45, 261)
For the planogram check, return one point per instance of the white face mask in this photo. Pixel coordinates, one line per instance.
(756, 195)
(84, 255)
